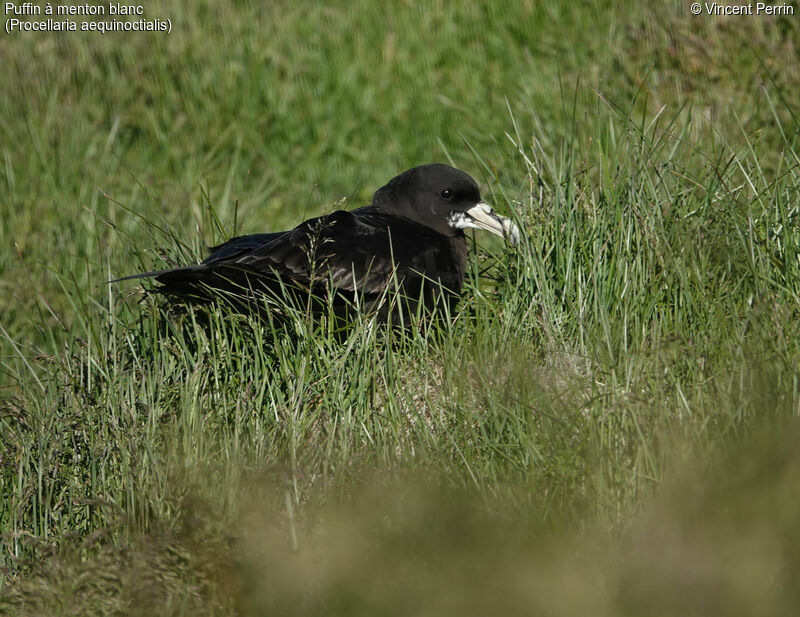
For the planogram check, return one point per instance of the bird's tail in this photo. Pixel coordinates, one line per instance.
(169, 273)
(187, 283)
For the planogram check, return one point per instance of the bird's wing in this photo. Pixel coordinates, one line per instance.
(337, 248)
(353, 251)
(360, 251)
(240, 245)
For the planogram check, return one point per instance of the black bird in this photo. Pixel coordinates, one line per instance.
(411, 237)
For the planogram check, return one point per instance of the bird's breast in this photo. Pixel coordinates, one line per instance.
(443, 261)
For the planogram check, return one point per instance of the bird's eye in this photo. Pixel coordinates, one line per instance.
(446, 194)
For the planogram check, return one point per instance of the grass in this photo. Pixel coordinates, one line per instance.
(607, 423)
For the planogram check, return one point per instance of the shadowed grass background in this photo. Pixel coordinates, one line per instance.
(607, 426)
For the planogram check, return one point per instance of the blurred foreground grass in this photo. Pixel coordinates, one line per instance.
(606, 426)
(723, 542)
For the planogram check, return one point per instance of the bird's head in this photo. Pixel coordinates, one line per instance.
(443, 198)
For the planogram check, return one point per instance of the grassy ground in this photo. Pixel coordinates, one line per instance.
(608, 424)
